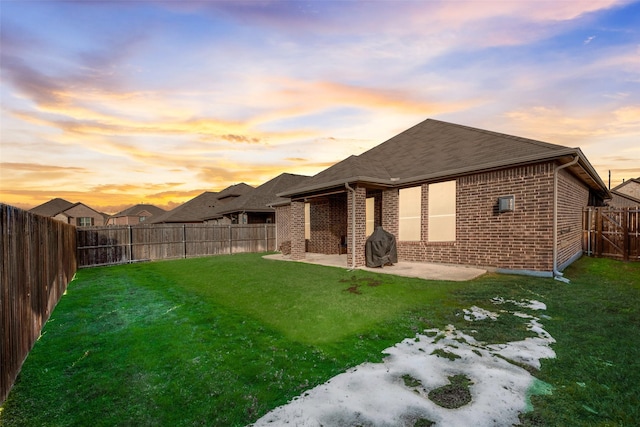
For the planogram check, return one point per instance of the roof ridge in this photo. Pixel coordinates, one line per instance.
(500, 134)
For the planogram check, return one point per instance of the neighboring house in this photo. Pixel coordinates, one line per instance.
(255, 207)
(77, 214)
(205, 205)
(135, 215)
(450, 194)
(626, 195)
(52, 207)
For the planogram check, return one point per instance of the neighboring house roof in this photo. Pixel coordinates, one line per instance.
(64, 211)
(59, 206)
(625, 200)
(138, 209)
(434, 150)
(203, 206)
(630, 187)
(52, 208)
(259, 199)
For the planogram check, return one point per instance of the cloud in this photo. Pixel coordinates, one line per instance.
(107, 200)
(561, 125)
(251, 174)
(628, 116)
(241, 139)
(28, 175)
(125, 188)
(588, 40)
(34, 167)
(227, 91)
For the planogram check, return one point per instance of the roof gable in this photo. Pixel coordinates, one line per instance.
(433, 150)
(202, 206)
(630, 187)
(67, 211)
(440, 147)
(52, 207)
(259, 198)
(140, 209)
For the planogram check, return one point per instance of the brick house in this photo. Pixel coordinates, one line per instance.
(77, 214)
(450, 194)
(254, 207)
(135, 215)
(201, 207)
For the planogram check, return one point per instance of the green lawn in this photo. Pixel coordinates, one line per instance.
(223, 340)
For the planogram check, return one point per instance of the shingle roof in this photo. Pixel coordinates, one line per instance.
(633, 181)
(259, 198)
(136, 209)
(434, 150)
(52, 207)
(625, 196)
(203, 206)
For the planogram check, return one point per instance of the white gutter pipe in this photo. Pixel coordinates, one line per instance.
(556, 274)
(353, 224)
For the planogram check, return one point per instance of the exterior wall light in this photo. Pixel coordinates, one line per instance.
(506, 203)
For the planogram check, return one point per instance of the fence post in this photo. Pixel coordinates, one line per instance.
(589, 227)
(230, 241)
(130, 244)
(266, 238)
(598, 241)
(625, 233)
(184, 240)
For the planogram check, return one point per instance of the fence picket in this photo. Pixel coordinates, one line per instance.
(126, 244)
(612, 233)
(37, 261)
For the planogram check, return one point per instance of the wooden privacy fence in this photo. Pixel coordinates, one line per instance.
(612, 233)
(38, 259)
(127, 244)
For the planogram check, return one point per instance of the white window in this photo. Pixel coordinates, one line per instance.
(410, 209)
(442, 212)
(307, 221)
(84, 221)
(370, 215)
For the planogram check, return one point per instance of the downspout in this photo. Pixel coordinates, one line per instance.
(353, 225)
(556, 274)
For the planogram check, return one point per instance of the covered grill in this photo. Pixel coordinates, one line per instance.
(381, 248)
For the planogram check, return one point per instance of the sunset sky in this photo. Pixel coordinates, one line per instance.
(124, 102)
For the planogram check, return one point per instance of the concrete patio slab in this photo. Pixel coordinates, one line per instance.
(428, 271)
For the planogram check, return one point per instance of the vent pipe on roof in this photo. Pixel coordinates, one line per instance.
(556, 274)
(353, 225)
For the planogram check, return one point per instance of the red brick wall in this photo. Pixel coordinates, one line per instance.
(283, 232)
(296, 231)
(360, 228)
(328, 224)
(390, 211)
(377, 197)
(573, 197)
(519, 240)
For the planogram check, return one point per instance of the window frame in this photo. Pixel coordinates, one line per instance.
(410, 214)
(442, 211)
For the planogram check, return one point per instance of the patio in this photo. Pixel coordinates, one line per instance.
(427, 271)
